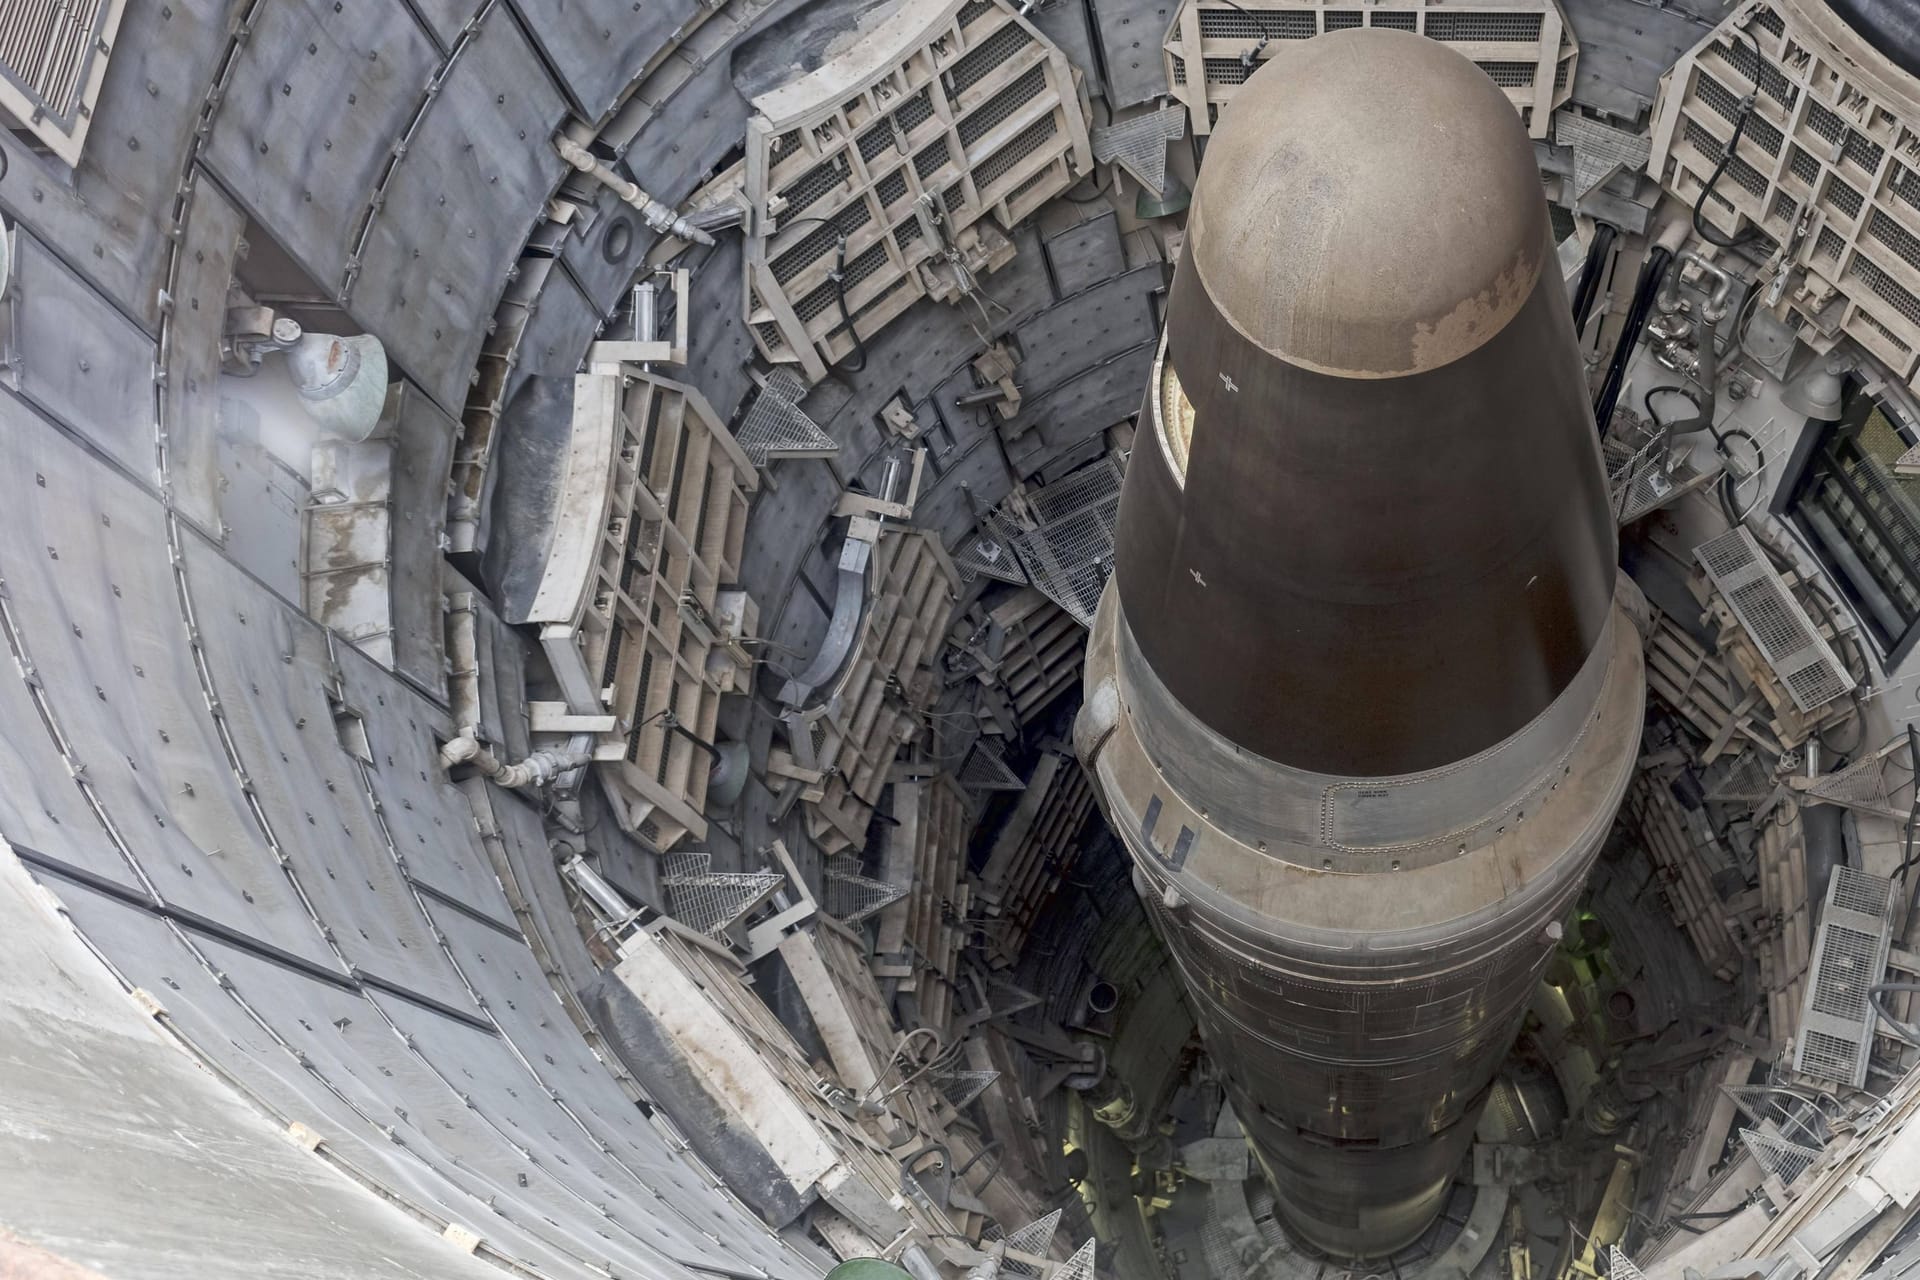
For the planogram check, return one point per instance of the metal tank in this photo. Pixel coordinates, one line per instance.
(1359, 700)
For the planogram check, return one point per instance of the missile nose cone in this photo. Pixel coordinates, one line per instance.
(1367, 534)
(1370, 206)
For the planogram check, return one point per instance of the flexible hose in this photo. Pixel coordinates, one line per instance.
(1588, 289)
(1644, 291)
(1744, 113)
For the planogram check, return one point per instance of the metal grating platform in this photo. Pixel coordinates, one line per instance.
(1779, 628)
(1743, 779)
(987, 770)
(775, 426)
(960, 1088)
(1784, 1160)
(1621, 1267)
(1069, 552)
(1881, 783)
(851, 897)
(1139, 145)
(1079, 1266)
(988, 552)
(1849, 957)
(709, 900)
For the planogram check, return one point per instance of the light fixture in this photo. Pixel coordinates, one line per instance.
(342, 381)
(729, 776)
(1173, 198)
(1816, 393)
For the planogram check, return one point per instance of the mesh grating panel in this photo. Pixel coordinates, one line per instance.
(1844, 197)
(709, 900)
(1226, 71)
(865, 265)
(1509, 75)
(1024, 144)
(819, 301)
(1037, 180)
(1829, 244)
(1827, 1056)
(986, 770)
(1785, 1160)
(891, 189)
(1234, 24)
(987, 551)
(1887, 288)
(1774, 84)
(915, 111)
(1037, 1236)
(995, 51)
(1079, 1266)
(1768, 617)
(820, 242)
(1726, 556)
(1905, 185)
(1773, 619)
(1727, 106)
(1886, 335)
(960, 1088)
(1825, 123)
(1746, 780)
(875, 142)
(1857, 891)
(775, 426)
(1179, 68)
(1840, 985)
(1803, 166)
(874, 303)
(1895, 237)
(1849, 957)
(1785, 207)
(1002, 105)
(1342, 19)
(851, 897)
(1069, 554)
(1484, 28)
(1863, 151)
(974, 10)
(1393, 20)
(1750, 179)
(929, 161)
(1621, 1267)
(811, 186)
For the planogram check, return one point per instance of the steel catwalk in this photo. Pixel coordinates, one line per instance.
(1359, 701)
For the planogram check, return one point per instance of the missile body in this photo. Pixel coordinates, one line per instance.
(1359, 701)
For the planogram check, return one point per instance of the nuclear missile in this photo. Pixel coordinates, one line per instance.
(1359, 700)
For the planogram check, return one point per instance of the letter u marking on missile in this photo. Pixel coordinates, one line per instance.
(1181, 844)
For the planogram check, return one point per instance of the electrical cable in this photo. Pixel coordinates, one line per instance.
(1905, 1032)
(1595, 266)
(1100, 189)
(838, 277)
(1652, 273)
(1251, 56)
(1728, 490)
(1742, 114)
